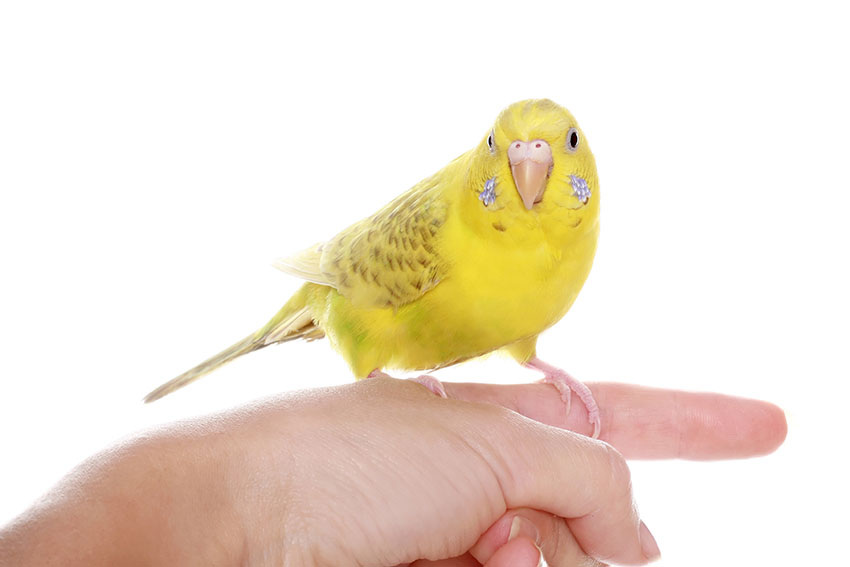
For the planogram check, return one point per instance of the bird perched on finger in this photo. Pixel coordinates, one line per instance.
(484, 255)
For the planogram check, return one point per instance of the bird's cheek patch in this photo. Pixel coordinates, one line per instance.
(488, 194)
(580, 189)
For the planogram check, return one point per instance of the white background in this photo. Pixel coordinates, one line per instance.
(155, 157)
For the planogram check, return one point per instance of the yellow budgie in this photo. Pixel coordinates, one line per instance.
(484, 255)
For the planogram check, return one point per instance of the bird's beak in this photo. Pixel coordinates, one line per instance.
(531, 163)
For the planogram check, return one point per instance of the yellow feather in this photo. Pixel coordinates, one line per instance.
(444, 273)
(304, 265)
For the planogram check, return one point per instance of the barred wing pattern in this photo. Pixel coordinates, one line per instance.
(387, 260)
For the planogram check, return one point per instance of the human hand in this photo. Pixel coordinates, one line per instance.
(642, 423)
(383, 473)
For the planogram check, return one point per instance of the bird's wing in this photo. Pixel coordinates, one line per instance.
(386, 260)
(305, 265)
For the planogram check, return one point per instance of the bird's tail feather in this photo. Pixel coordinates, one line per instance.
(293, 321)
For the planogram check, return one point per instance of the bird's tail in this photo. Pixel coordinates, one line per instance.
(293, 321)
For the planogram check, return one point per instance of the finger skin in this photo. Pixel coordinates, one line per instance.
(465, 560)
(592, 488)
(512, 461)
(649, 423)
(558, 544)
(519, 552)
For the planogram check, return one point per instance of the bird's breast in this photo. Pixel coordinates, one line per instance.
(497, 294)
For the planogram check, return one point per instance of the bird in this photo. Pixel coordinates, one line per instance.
(482, 256)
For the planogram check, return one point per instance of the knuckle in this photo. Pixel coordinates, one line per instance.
(620, 476)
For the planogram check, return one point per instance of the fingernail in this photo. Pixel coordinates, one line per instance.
(542, 561)
(524, 527)
(648, 543)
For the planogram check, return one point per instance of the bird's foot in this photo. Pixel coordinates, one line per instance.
(429, 382)
(376, 373)
(432, 384)
(566, 384)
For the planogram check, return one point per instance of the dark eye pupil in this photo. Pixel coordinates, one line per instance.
(490, 141)
(574, 140)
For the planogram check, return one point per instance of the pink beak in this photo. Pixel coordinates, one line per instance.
(531, 163)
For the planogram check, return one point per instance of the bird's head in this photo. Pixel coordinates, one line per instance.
(533, 167)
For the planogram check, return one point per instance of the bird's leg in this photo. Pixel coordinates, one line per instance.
(376, 373)
(566, 384)
(428, 381)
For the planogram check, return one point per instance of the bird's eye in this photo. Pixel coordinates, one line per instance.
(572, 140)
(491, 142)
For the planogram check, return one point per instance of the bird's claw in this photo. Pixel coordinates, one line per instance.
(566, 385)
(432, 384)
(563, 389)
(429, 382)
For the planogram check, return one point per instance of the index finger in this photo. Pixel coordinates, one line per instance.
(648, 423)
